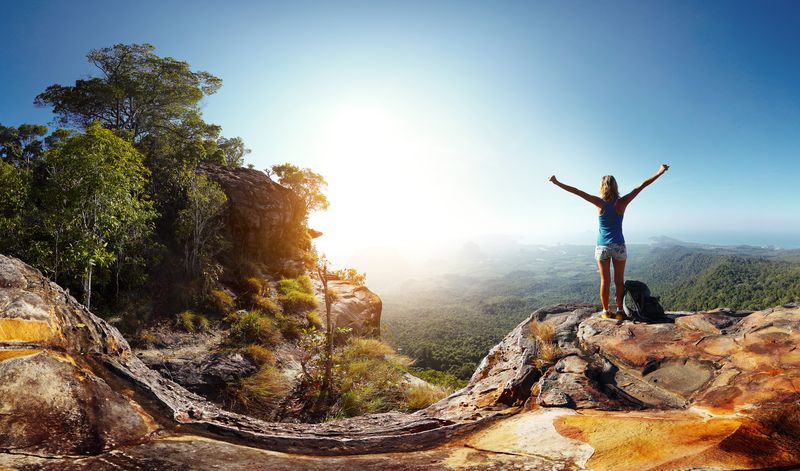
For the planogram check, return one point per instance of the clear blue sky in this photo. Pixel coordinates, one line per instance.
(436, 118)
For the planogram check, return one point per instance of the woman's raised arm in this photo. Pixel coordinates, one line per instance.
(625, 200)
(595, 200)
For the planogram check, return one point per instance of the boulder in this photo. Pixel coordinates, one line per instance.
(355, 307)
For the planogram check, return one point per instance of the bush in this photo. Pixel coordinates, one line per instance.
(368, 377)
(259, 354)
(219, 302)
(254, 327)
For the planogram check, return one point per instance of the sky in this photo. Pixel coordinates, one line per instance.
(436, 121)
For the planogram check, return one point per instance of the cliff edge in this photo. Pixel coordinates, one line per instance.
(564, 390)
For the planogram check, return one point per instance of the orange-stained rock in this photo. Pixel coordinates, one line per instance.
(714, 390)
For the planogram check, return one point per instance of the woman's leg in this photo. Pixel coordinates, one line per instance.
(605, 281)
(619, 281)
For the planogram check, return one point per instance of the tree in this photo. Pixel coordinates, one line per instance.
(94, 198)
(307, 184)
(138, 94)
(199, 224)
(14, 194)
(322, 269)
(231, 151)
(22, 147)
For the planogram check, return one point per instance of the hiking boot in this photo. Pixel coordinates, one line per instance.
(606, 315)
(620, 315)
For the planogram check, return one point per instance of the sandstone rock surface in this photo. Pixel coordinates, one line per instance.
(355, 307)
(261, 215)
(712, 391)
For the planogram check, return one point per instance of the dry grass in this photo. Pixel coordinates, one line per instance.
(219, 302)
(545, 334)
(191, 321)
(254, 327)
(259, 354)
(260, 393)
(422, 395)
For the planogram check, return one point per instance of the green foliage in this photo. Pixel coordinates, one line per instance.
(439, 378)
(297, 294)
(199, 225)
(138, 93)
(368, 378)
(254, 327)
(314, 320)
(94, 203)
(351, 275)
(305, 183)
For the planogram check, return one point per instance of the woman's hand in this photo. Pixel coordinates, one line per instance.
(663, 169)
(552, 179)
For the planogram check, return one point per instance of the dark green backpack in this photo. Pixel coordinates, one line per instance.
(640, 306)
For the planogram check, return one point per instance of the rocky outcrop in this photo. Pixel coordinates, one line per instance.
(565, 390)
(354, 307)
(72, 387)
(265, 220)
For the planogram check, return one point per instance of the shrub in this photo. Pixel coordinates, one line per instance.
(259, 354)
(219, 302)
(254, 327)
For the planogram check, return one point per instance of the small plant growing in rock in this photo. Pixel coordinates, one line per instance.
(259, 354)
(219, 302)
(314, 320)
(545, 335)
(190, 321)
(297, 294)
(254, 327)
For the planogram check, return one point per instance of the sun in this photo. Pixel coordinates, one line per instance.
(381, 186)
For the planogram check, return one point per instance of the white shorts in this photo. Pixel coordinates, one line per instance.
(612, 251)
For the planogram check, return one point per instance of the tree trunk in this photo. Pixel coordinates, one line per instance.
(87, 287)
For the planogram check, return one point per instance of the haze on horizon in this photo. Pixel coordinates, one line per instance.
(439, 122)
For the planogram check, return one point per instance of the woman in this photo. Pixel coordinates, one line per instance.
(610, 242)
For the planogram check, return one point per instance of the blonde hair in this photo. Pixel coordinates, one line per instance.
(608, 188)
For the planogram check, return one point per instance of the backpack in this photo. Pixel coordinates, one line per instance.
(640, 306)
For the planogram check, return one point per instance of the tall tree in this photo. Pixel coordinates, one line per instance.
(199, 225)
(139, 93)
(95, 197)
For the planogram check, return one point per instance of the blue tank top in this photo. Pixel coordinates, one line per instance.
(610, 225)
